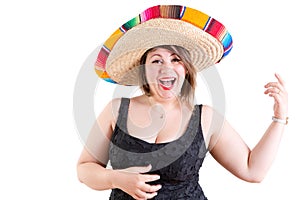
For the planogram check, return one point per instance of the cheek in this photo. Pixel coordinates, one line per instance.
(151, 74)
(181, 71)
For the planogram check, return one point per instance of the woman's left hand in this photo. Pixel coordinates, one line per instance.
(278, 91)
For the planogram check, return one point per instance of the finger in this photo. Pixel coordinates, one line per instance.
(149, 177)
(136, 197)
(275, 96)
(144, 195)
(275, 93)
(273, 90)
(274, 85)
(279, 78)
(150, 188)
(142, 169)
(151, 195)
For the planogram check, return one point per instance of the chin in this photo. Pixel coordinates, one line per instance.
(168, 94)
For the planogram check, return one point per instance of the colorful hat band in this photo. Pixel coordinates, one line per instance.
(161, 21)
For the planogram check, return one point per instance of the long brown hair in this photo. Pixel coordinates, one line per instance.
(189, 85)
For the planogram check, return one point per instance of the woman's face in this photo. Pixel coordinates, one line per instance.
(165, 73)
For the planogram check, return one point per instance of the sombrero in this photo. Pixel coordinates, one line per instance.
(206, 39)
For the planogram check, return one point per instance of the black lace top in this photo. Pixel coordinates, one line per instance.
(177, 162)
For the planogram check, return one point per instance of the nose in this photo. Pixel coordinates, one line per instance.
(166, 70)
(166, 67)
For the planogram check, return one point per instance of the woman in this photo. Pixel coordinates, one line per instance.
(156, 142)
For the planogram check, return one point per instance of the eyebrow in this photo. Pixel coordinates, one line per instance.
(155, 55)
(173, 54)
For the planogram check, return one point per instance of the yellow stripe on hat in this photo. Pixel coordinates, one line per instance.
(110, 42)
(195, 17)
(101, 73)
(98, 72)
(105, 75)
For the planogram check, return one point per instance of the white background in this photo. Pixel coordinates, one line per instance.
(43, 45)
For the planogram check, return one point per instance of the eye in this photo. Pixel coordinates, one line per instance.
(176, 60)
(157, 61)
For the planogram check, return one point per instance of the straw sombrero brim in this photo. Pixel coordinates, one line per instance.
(121, 64)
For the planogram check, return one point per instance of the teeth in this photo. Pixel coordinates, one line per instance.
(167, 82)
(167, 79)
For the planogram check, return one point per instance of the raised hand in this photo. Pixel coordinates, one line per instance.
(278, 91)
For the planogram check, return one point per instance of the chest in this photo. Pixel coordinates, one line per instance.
(156, 125)
(177, 160)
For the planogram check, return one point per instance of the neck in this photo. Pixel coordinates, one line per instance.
(168, 104)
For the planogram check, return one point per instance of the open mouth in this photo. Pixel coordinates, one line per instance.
(167, 83)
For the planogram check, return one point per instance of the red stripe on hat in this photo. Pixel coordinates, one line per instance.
(101, 59)
(216, 29)
(150, 13)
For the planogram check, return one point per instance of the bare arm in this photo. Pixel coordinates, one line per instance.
(91, 167)
(228, 148)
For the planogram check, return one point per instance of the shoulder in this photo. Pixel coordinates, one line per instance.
(212, 122)
(206, 118)
(209, 114)
(110, 111)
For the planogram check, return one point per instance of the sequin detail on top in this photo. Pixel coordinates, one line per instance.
(177, 162)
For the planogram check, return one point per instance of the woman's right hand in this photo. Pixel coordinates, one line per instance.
(133, 182)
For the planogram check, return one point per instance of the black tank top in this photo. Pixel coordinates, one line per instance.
(177, 162)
